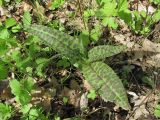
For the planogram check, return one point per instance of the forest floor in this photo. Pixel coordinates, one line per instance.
(60, 91)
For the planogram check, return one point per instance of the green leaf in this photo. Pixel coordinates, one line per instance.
(96, 32)
(122, 5)
(148, 80)
(108, 10)
(28, 84)
(27, 19)
(10, 22)
(7, 1)
(5, 111)
(157, 111)
(21, 90)
(41, 63)
(16, 56)
(18, 1)
(84, 38)
(15, 87)
(156, 16)
(3, 47)
(25, 109)
(103, 51)
(63, 63)
(57, 4)
(110, 22)
(1, 2)
(88, 13)
(16, 28)
(99, 2)
(126, 15)
(24, 97)
(4, 34)
(104, 80)
(61, 42)
(29, 70)
(3, 71)
(33, 114)
(92, 94)
(155, 1)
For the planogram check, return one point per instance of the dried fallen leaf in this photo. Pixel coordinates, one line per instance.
(84, 101)
(74, 85)
(148, 52)
(72, 95)
(26, 6)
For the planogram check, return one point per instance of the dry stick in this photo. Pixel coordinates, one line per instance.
(135, 80)
(139, 105)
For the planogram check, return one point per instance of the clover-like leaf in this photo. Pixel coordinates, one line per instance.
(103, 79)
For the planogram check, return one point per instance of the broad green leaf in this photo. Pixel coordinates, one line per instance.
(5, 111)
(103, 51)
(61, 42)
(15, 87)
(10, 22)
(27, 19)
(105, 81)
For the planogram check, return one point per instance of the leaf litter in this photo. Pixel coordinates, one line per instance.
(148, 54)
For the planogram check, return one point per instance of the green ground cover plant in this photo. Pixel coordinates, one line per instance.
(23, 59)
(98, 74)
(107, 11)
